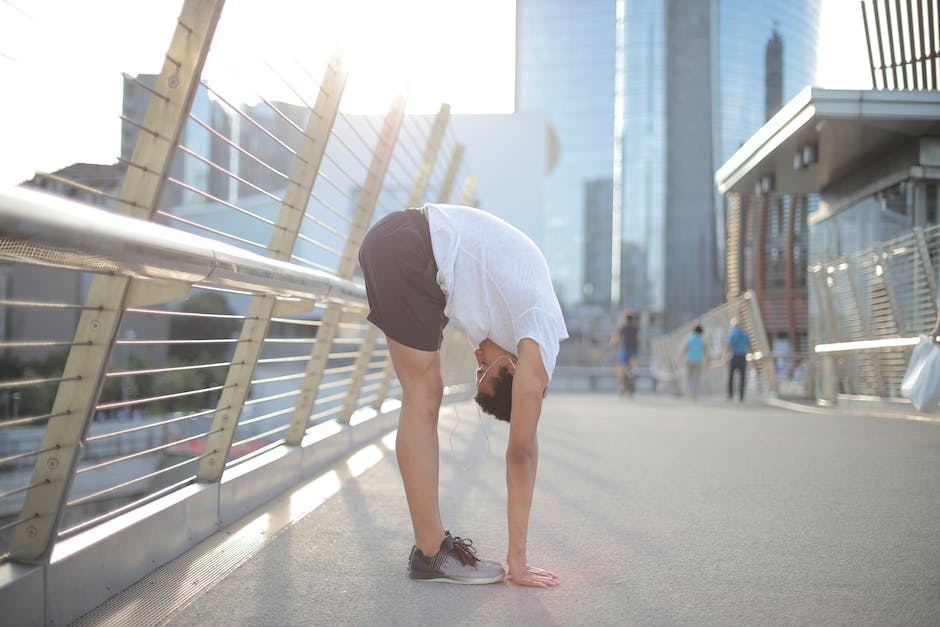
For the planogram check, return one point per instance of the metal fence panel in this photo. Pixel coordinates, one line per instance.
(871, 305)
(214, 311)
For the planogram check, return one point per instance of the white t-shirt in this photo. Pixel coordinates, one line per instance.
(495, 280)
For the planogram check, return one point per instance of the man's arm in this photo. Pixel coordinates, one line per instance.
(529, 383)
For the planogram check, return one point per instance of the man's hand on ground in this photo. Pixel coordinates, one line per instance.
(532, 577)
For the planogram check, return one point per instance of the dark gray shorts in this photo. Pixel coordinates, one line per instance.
(397, 261)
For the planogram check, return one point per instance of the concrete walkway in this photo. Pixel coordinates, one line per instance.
(653, 510)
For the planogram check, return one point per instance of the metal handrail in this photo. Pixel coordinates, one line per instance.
(36, 227)
(865, 345)
(716, 323)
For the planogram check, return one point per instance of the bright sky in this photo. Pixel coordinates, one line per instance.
(843, 51)
(61, 61)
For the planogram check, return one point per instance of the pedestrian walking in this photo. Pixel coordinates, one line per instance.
(627, 339)
(693, 356)
(736, 348)
(423, 267)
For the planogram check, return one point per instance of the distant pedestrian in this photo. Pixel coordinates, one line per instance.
(693, 354)
(737, 347)
(628, 340)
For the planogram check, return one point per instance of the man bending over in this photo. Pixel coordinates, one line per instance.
(421, 268)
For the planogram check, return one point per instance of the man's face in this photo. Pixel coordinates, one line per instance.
(491, 359)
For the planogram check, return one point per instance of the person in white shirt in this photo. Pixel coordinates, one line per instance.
(423, 267)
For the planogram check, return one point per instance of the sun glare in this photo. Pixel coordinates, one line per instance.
(450, 51)
(843, 58)
(453, 51)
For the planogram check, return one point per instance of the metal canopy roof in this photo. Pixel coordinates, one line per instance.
(843, 130)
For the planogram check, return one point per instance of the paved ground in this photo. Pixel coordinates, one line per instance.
(654, 511)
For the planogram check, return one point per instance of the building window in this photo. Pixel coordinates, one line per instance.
(895, 199)
(775, 211)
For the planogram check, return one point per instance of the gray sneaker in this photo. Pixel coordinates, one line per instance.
(455, 562)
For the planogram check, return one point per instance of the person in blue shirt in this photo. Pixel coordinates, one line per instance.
(737, 346)
(693, 352)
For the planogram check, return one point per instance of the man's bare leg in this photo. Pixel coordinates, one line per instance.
(631, 375)
(416, 446)
(622, 378)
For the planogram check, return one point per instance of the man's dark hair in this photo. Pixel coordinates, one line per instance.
(499, 403)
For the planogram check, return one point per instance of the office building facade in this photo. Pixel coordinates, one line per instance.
(699, 79)
(598, 241)
(654, 95)
(565, 53)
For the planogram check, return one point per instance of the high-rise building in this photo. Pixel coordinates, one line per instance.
(598, 241)
(773, 64)
(565, 68)
(699, 79)
(656, 95)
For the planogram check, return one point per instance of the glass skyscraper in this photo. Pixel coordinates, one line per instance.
(565, 67)
(643, 177)
(698, 77)
(655, 95)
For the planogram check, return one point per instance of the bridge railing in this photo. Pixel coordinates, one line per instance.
(176, 355)
(870, 307)
(146, 435)
(668, 367)
(867, 309)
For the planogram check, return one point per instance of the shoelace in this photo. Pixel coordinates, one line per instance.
(463, 549)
